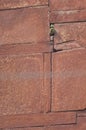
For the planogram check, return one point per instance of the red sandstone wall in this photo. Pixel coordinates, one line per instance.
(42, 82)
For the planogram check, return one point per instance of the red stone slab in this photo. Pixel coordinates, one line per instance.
(37, 120)
(63, 127)
(81, 125)
(19, 49)
(23, 87)
(26, 25)
(28, 128)
(75, 32)
(67, 4)
(10, 4)
(81, 113)
(69, 80)
(66, 46)
(67, 16)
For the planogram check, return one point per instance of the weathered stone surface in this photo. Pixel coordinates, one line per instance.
(71, 32)
(62, 127)
(67, 16)
(26, 25)
(81, 125)
(81, 113)
(28, 128)
(9, 4)
(19, 49)
(66, 46)
(69, 80)
(67, 4)
(23, 87)
(42, 119)
(47, 81)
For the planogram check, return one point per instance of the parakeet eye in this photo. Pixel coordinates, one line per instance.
(52, 26)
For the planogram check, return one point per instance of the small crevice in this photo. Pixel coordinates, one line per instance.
(22, 7)
(57, 50)
(65, 42)
(79, 9)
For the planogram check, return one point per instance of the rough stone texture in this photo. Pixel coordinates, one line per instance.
(69, 80)
(67, 4)
(41, 119)
(9, 4)
(71, 32)
(67, 16)
(22, 87)
(26, 25)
